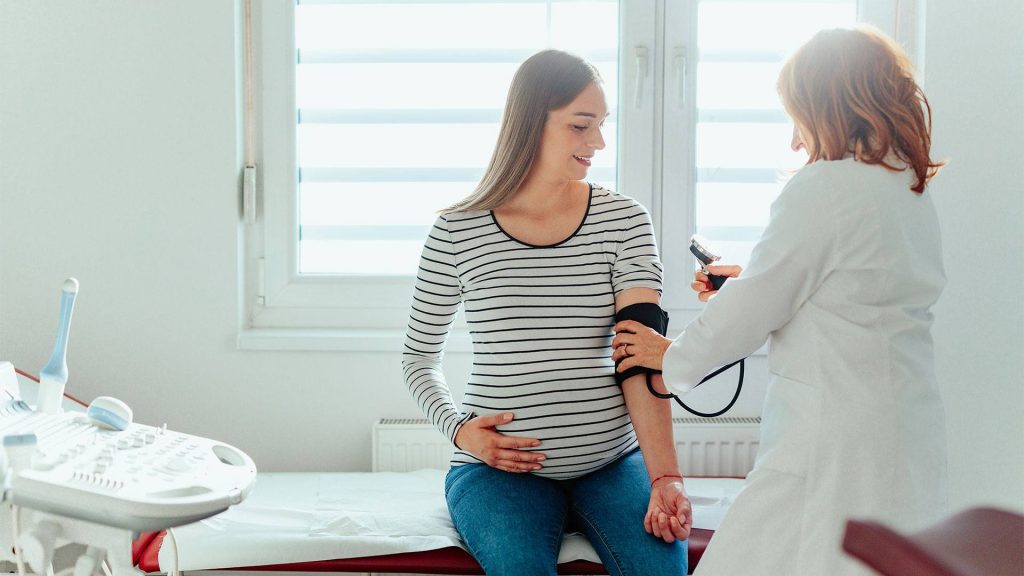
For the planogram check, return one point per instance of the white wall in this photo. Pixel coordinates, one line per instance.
(119, 161)
(974, 77)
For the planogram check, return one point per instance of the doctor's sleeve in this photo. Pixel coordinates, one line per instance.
(794, 255)
(436, 300)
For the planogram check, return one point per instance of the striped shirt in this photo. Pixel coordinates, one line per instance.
(541, 321)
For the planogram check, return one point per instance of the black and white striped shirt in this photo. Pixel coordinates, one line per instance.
(541, 321)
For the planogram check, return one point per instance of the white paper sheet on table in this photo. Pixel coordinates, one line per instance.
(302, 517)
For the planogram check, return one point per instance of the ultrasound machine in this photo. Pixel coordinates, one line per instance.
(97, 478)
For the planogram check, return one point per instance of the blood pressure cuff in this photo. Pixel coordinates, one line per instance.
(650, 315)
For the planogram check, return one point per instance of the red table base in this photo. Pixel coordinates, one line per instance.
(442, 561)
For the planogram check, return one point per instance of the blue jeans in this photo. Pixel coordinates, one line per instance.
(513, 523)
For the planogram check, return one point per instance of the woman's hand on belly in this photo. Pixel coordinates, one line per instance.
(479, 437)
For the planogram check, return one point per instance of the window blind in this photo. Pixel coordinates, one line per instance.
(742, 154)
(398, 110)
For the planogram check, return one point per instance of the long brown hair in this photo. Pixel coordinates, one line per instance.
(548, 80)
(853, 90)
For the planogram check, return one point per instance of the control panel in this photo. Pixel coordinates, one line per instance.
(95, 477)
(142, 478)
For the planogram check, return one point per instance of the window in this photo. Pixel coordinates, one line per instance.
(737, 154)
(397, 119)
(374, 115)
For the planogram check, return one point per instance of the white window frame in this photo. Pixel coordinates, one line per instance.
(674, 212)
(281, 309)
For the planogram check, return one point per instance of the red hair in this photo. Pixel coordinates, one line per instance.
(853, 91)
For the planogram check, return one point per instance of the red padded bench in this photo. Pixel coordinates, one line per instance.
(443, 561)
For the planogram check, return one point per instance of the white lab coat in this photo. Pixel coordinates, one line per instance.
(841, 285)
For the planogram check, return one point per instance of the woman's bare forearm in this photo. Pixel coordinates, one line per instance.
(652, 420)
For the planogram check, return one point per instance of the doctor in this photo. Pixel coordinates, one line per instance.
(841, 284)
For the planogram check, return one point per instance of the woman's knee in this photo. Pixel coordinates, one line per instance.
(517, 543)
(628, 550)
(501, 557)
(651, 555)
(611, 504)
(511, 523)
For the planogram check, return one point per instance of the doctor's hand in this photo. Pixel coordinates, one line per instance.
(669, 515)
(480, 438)
(702, 285)
(638, 345)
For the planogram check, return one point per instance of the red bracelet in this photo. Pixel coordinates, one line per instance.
(665, 476)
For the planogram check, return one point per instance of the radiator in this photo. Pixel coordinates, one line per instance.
(721, 446)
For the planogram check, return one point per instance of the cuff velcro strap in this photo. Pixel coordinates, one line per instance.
(650, 315)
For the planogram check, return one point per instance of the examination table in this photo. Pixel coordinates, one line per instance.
(383, 522)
